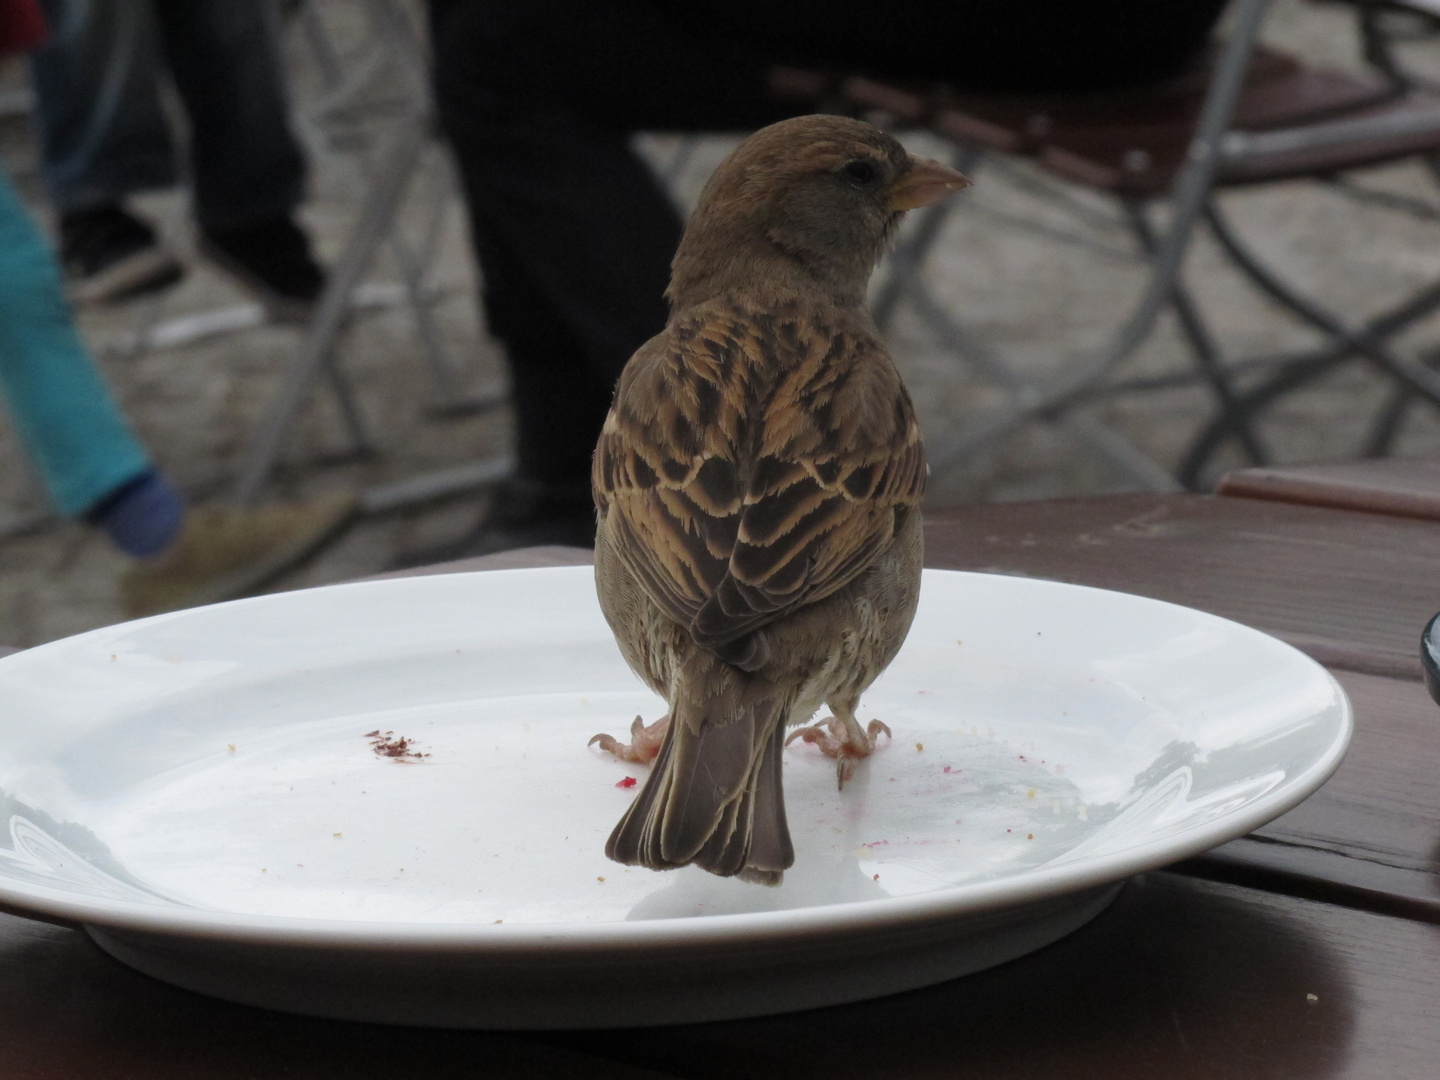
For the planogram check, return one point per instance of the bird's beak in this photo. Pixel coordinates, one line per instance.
(926, 182)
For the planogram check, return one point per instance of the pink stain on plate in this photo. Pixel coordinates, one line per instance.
(629, 781)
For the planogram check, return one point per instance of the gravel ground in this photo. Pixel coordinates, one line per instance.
(1034, 300)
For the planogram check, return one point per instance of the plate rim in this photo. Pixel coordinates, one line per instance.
(700, 931)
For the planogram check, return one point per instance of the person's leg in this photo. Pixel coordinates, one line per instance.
(562, 398)
(61, 407)
(91, 463)
(102, 129)
(103, 136)
(94, 468)
(225, 58)
(573, 232)
(247, 170)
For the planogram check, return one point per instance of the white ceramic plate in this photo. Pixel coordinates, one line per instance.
(200, 791)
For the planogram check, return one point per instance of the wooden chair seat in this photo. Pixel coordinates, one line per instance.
(1134, 142)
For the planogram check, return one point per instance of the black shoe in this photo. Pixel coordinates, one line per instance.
(272, 259)
(110, 255)
(522, 513)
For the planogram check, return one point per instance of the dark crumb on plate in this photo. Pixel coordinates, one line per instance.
(385, 744)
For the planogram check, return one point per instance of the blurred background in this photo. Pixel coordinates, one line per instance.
(196, 368)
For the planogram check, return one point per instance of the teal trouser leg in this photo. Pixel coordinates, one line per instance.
(62, 408)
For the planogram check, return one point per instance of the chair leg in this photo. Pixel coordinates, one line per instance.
(906, 262)
(317, 37)
(1377, 48)
(908, 259)
(1305, 368)
(1122, 455)
(376, 216)
(954, 337)
(1141, 468)
(1360, 340)
(432, 346)
(1202, 342)
(361, 445)
(1078, 374)
(906, 282)
(1381, 440)
(679, 161)
(1387, 424)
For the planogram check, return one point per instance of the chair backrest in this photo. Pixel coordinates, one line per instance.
(1288, 119)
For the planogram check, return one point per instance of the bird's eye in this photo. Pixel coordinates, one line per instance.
(861, 171)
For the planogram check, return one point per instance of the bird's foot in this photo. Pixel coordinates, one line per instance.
(843, 740)
(645, 740)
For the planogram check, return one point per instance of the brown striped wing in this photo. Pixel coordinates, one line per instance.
(753, 463)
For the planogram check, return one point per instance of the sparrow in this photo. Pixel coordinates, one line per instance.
(757, 484)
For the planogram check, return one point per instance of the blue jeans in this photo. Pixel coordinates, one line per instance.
(103, 130)
(62, 408)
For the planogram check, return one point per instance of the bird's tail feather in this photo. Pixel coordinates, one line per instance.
(714, 796)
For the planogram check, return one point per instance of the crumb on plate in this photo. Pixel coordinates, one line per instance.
(385, 744)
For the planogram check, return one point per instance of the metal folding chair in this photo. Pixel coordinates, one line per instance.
(336, 126)
(1249, 116)
(1387, 26)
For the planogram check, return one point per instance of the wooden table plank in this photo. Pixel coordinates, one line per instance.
(1354, 590)
(70, 1012)
(1178, 979)
(1181, 977)
(1370, 837)
(1386, 486)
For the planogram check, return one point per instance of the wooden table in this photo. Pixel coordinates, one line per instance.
(1310, 949)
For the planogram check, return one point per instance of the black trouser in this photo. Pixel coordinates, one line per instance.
(574, 235)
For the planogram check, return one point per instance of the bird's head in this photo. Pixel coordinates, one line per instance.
(805, 202)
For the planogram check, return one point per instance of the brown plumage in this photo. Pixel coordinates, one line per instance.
(758, 484)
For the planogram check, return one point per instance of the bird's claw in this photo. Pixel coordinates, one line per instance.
(644, 742)
(845, 742)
